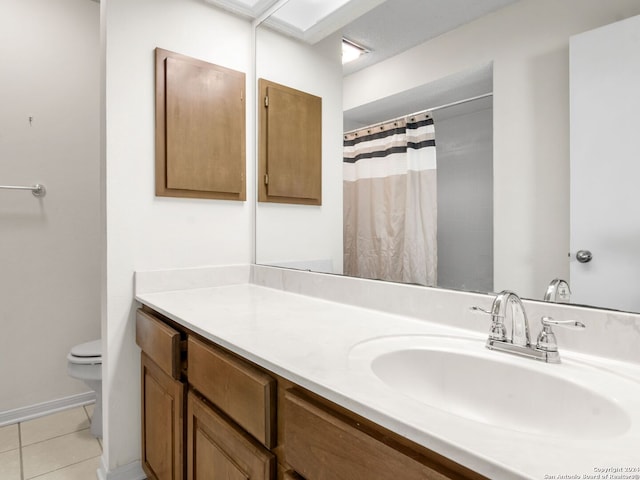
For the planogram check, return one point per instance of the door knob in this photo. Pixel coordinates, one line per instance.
(584, 256)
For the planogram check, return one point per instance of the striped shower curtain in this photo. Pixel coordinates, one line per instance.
(390, 208)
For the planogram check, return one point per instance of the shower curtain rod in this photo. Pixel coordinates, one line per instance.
(432, 109)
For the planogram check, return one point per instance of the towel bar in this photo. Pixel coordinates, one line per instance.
(37, 189)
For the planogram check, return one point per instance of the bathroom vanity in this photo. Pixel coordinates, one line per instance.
(259, 379)
(243, 421)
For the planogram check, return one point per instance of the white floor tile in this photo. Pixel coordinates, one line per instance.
(85, 470)
(10, 465)
(9, 439)
(56, 453)
(54, 425)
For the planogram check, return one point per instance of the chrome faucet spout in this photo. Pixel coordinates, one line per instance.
(508, 305)
(558, 291)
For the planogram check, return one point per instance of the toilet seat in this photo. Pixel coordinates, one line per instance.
(89, 353)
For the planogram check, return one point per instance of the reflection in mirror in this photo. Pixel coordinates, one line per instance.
(558, 291)
(422, 213)
(305, 236)
(605, 199)
(524, 230)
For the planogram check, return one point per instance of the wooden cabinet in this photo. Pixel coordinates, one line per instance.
(243, 392)
(163, 398)
(291, 475)
(289, 145)
(213, 420)
(160, 342)
(224, 417)
(162, 423)
(200, 129)
(323, 444)
(219, 450)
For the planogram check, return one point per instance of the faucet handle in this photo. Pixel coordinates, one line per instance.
(572, 324)
(498, 330)
(547, 339)
(480, 310)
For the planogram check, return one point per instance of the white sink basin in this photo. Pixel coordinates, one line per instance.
(461, 377)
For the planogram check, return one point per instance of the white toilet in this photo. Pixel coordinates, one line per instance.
(85, 363)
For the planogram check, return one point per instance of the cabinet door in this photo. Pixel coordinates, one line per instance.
(200, 129)
(219, 450)
(162, 423)
(290, 146)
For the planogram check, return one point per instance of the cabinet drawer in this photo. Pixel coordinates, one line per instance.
(323, 445)
(243, 392)
(160, 342)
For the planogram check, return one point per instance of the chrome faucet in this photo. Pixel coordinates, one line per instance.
(508, 306)
(558, 291)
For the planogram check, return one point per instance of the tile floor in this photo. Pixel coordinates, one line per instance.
(55, 447)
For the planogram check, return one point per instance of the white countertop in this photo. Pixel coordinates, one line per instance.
(309, 341)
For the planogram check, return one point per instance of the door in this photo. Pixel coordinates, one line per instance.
(605, 166)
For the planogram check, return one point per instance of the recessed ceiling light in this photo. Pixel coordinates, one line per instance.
(351, 51)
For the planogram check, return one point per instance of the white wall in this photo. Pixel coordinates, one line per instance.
(298, 235)
(528, 43)
(144, 232)
(49, 247)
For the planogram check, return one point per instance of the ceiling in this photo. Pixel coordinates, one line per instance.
(396, 25)
(463, 85)
(384, 27)
(306, 20)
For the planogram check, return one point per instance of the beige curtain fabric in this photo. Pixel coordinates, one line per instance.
(390, 203)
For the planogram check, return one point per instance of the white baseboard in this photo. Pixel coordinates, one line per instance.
(30, 412)
(130, 471)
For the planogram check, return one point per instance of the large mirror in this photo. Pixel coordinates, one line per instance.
(494, 77)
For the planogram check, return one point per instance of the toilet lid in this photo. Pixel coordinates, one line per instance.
(89, 349)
